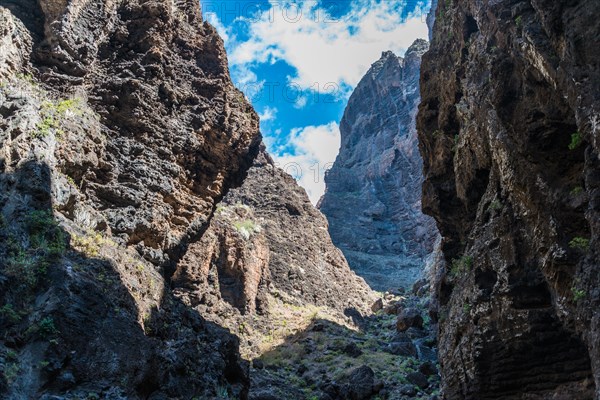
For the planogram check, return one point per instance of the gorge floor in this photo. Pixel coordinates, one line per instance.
(390, 354)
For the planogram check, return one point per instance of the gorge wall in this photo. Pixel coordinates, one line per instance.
(373, 195)
(508, 130)
(138, 209)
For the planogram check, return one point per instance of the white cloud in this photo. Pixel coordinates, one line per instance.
(301, 102)
(216, 22)
(329, 57)
(315, 149)
(322, 52)
(268, 114)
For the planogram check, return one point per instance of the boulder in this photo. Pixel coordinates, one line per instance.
(428, 368)
(418, 378)
(352, 350)
(409, 318)
(378, 305)
(406, 349)
(359, 384)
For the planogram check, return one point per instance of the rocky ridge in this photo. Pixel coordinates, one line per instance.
(126, 247)
(508, 130)
(373, 195)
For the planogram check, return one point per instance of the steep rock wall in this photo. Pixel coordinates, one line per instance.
(293, 262)
(509, 136)
(373, 195)
(120, 132)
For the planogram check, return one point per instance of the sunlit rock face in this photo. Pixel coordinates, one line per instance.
(508, 129)
(139, 216)
(373, 195)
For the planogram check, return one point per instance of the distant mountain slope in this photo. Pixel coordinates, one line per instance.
(373, 195)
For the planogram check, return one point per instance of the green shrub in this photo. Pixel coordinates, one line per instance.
(91, 243)
(43, 128)
(24, 268)
(576, 191)
(11, 355)
(578, 294)
(10, 371)
(246, 227)
(10, 314)
(519, 20)
(40, 220)
(45, 233)
(28, 78)
(461, 265)
(27, 260)
(495, 205)
(73, 105)
(52, 115)
(222, 392)
(576, 140)
(46, 327)
(579, 243)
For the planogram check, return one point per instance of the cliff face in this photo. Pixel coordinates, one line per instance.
(267, 253)
(508, 130)
(373, 196)
(120, 132)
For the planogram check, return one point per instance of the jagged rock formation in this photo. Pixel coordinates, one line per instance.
(267, 246)
(508, 129)
(373, 195)
(120, 131)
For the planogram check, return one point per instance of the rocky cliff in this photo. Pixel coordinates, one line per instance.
(267, 259)
(120, 133)
(508, 130)
(373, 195)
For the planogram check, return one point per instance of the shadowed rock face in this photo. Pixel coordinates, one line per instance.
(120, 132)
(509, 136)
(373, 196)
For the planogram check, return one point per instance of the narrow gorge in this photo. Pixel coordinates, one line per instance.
(150, 247)
(373, 195)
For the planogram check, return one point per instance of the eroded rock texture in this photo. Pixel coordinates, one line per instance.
(509, 136)
(373, 196)
(267, 249)
(120, 131)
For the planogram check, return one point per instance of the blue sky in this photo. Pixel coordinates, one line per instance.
(298, 62)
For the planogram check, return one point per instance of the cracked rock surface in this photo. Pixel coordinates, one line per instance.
(508, 130)
(127, 270)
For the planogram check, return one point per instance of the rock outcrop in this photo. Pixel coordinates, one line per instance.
(268, 248)
(508, 130)
(120, 133)
(373, 195)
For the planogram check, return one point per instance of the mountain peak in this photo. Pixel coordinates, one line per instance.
(387, 54)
